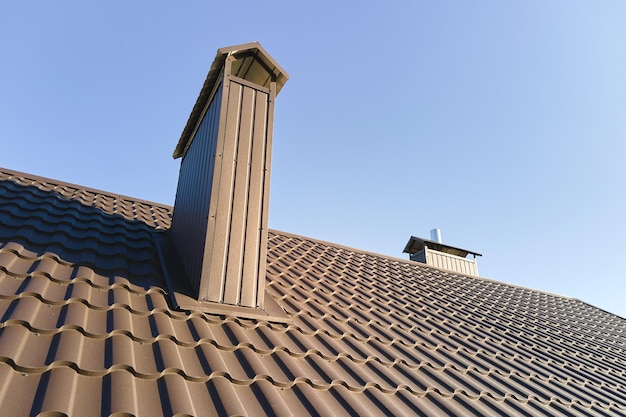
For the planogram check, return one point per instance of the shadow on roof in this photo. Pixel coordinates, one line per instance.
(38, 226)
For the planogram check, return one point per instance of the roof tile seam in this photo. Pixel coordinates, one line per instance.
(84, 223)
(73, 210)
(482, 279)
(115, 270)
(445, 320)
(79, 279)
(468, 336)
(51, 255)
(482, 328)
(539, 312)
(117, 209)
(28, 179)
(321, 386)
(313, 352)
(44, 256)
(14, 322)
(284, 327)
(423, 344)
(213, 319)
(71, 231)
(139, 291)
(110, 307)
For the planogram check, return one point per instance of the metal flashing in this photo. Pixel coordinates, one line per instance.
(182, 297)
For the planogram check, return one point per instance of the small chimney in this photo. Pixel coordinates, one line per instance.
(434, 253)
(219, 225)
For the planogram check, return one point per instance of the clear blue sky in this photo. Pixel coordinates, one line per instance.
(503, 123)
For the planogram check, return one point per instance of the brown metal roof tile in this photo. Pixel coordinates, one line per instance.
(79, 316)
(16, 390)
(83, 306)
(13, 263)
(130, 394)
(30, 311)
(263, 398)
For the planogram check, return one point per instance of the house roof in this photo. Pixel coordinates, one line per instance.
(88, 328)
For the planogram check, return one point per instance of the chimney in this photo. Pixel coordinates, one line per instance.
(434, 253)
(219, 225)
(435, 235)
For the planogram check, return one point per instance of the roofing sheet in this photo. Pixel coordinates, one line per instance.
(87, 328)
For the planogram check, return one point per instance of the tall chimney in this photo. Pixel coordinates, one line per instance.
(219, 225)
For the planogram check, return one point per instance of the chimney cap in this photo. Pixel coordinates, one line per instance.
(435, 235)
(416, 244)
(252, 63)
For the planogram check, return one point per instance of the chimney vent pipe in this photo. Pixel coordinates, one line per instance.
(435, 235)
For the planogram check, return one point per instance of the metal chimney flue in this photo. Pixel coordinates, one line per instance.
(435, 235)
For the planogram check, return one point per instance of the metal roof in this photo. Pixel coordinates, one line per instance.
(416, 244)
(252, 63)
(87, 328)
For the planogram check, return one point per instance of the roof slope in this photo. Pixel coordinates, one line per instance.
(87, 328)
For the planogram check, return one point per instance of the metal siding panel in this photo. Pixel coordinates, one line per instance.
(234, 266)
(221, 234)
(221, 211)
(257, 205)
(194, 192)
(263, 230)
(437, 260)
(451, 262)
